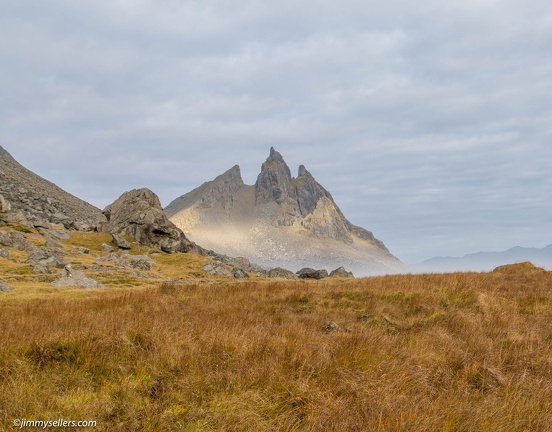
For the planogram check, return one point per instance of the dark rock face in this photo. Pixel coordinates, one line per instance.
(139, 215)
(274, 179)
(308, 273)
(35, 201)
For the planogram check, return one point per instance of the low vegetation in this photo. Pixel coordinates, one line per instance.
(456, 352)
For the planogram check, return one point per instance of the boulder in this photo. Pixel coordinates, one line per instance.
(138, 214)
(216, 268)
(5, 205)
(53, 244)
(341, 272)
(106, 248)
(280, 272)
(239, 273)
(71, 277)
(17, 241)
(42, 259)
(309, 273)
(4, 253)
(4, 287)
(140, 262)
(121, 242)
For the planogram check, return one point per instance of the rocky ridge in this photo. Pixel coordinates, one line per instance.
(34, 201)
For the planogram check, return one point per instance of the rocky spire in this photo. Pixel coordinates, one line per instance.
(306, 191)
(274, 180)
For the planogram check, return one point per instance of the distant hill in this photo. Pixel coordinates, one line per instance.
(40, 201)
(280, 221)
(484, 261)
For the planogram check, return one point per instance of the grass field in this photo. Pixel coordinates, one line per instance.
(455, 352)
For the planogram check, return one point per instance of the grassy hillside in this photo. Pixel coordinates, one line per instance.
(457, 352)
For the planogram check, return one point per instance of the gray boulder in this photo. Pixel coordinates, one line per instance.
(4, 287)
(106, 248)
(4, 253)
(216, 268)
(121, 242)
(139, 262)
(239, 273)
(5, 205)
(42, 259)
(309, 273)
(54, 244)
(17, 241)
(72, 277)
(341, 272)
(280, 272)
(138, 214)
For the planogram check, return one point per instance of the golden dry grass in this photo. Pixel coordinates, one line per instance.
(457, 352)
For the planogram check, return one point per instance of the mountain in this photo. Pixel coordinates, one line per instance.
(485, 261)
(38, 201)
(281, 221)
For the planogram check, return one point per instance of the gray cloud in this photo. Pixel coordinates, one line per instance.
(429, 123)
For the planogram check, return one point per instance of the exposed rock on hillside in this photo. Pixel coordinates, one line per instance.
(280, 221)
(4, 287)
(139, 215)
(35, 201)
(74, 278)
(341, 272)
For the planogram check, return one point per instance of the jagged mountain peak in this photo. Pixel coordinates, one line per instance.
(273, 180)
(279, 221)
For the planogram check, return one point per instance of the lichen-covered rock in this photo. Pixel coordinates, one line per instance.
(138, 214)
(4, 287)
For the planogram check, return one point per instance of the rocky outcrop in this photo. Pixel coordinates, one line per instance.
(342, 273)
(17, 241)
(35, 201)
(138, 214)
(74, 278)
(273, 181)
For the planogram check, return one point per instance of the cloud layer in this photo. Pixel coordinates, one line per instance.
(429, 123)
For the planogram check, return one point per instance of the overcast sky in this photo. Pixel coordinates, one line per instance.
(429, 122)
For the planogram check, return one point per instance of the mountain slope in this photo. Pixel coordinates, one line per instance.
(279, 221)
(40, 200)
